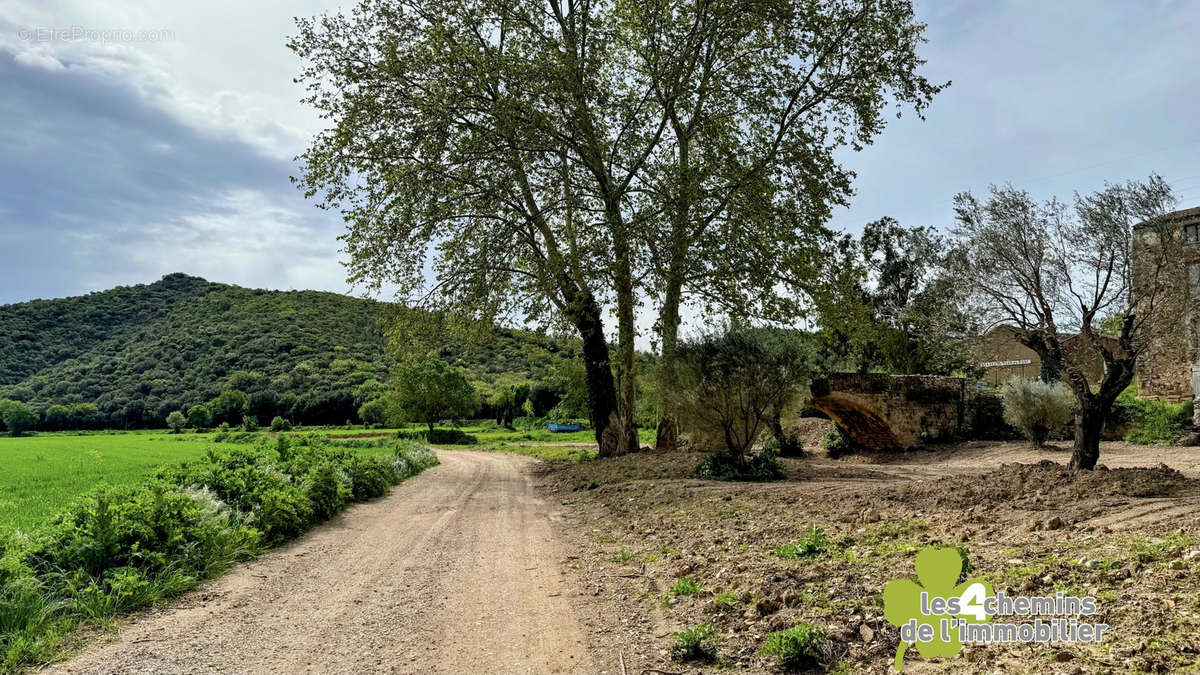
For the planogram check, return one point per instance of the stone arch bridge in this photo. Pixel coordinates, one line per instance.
(895, 412)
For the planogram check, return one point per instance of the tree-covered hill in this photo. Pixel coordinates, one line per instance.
(139, 352)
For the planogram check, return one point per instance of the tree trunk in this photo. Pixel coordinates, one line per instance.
(601, 388)
(626, 430)
(430, 428)
(668, 423)
(1089, 424)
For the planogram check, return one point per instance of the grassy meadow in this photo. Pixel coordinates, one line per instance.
(43, 473)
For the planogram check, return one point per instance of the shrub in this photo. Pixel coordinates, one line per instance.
(176, 421)
(801, 646)
(328, 489)
(730, 384)
(440, 437)
(373, 412)
(695, 644)
(279, 424)
(1037, 408)
(1149, 421)
(837, 443)
(249, 423)
(790, 446)
(721, 465)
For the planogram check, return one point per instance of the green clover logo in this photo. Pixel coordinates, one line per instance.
(938, 571)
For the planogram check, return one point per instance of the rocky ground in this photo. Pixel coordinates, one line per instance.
(1128, 536)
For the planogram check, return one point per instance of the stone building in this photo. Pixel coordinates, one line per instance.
(1002, 356)
(1169, 365)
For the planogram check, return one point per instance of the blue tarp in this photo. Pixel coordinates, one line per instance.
(564, 427)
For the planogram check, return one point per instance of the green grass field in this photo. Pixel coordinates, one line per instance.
(39, 475)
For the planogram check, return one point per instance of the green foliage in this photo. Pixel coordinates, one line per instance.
(1036, 408)
(813, 544)
(127, 357)
(697, 643)
(428, 389)
(441, 436)
(722, 465)
(229, 406)
(373, 412)
(798, 647)
(328, 488)
(118, 549)
(279, 424)
(837, 443)
(17, 417)
(683, 586)
(1150, 421)
(897, 307)
(726, 600)
(199, 416)
(176, 421)
(730, 382)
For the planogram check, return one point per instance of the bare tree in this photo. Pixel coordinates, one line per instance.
(1053, 270)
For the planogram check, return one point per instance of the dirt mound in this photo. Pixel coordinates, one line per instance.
(1045, 485)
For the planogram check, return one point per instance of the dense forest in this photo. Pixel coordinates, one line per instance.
(137, 353)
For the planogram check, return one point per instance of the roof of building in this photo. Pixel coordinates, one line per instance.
(1178, 216)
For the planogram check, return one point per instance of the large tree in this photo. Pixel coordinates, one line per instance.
(757, 97)
(428, 389)
(503, 137)
(561, 157)
(1053, 270)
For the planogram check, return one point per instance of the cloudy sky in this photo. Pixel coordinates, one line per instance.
(136, 140)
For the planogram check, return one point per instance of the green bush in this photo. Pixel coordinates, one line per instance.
(440, 437)
(695, 644)
(801, 646)
(1147, 421)
(722, 465)
(837, 443)
(328, 488)
(1036, 408)
(279, 424)
(176, 421)
(791, 446)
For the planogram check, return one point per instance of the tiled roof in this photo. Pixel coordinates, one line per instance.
(1177, 216)
(1184, 214)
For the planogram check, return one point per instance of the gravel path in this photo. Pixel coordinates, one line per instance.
(456, 570)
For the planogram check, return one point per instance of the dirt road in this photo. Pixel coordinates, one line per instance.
(455, 571)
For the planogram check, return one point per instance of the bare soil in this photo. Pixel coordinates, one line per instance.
(1128, 534)
(456, 570)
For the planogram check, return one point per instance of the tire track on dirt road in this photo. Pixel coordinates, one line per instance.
(456, 570)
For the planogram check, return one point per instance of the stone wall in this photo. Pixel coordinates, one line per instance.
(1164, 368)
(891, 412)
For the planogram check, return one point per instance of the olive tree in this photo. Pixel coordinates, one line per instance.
(1052, 270)
(733, 381)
